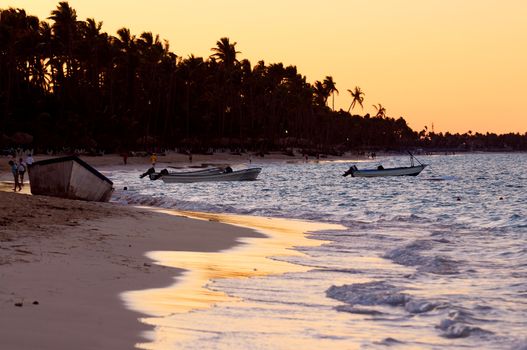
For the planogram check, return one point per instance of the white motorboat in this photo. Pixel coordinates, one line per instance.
(226, 175)
(412, 170)
(401, 171)
(197, 172)
(153, 175)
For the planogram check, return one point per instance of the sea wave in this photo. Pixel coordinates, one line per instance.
(369, 294)
(409, 255)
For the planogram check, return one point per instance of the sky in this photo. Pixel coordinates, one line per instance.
(450, 65)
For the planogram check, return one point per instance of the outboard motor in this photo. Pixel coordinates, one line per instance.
(350, 171)
(158, 175)
(148, 172)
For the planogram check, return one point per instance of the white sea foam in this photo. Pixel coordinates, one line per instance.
(410, 255)
(377, 293)
(371, 293)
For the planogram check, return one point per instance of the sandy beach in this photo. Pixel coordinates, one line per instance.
(66, 266)
(63, 264)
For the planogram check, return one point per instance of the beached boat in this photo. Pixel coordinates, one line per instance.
(412, 170)
(203, 176)
(69, 177)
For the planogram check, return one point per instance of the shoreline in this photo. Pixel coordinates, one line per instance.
(92, 267)
(75, 258)
(254, 257)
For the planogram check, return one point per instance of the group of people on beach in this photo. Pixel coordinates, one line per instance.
(18, 169)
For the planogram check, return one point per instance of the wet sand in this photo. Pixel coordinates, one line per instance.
(247, 260)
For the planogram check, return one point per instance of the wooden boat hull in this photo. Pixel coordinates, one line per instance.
(69, 177)
(240, 175)
(403, 171)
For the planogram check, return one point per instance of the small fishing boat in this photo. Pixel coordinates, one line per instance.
(69, 177)
(198, 172)
(153, 175)
(226, 175)
(412, 170)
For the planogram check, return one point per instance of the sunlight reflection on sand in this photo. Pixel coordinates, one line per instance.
(251, 258)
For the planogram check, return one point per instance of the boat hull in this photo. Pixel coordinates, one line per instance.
(404, 171)
(209, 171)
(69, 177)
(240, 175)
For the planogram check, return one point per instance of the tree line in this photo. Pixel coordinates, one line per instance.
(65, 82)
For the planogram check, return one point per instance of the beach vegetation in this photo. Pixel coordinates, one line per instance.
(67, 83)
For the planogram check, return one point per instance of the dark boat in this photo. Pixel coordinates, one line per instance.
(69, 177)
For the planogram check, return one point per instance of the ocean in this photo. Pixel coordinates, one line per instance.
(428, 262)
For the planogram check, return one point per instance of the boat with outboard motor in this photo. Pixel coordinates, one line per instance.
(380, 171)
(227, 175)
(203, 175)
(153, 175)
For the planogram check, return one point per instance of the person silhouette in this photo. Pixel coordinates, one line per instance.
(21, 170)
(14, 171)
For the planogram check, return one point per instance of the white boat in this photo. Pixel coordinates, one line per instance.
(69, 177)
(197, 172)
(153, 175)
(238, 175)
(401, 171)
(412, 170)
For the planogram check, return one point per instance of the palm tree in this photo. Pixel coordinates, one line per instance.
(93, 45)
(65, 28)
(381, 111)
(225, 52)
(329, 86)
(42, 57)
(358, 97)
(128, 55)
(189, 68)
(320, 93)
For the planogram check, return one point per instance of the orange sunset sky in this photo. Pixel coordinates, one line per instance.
(459, 64)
